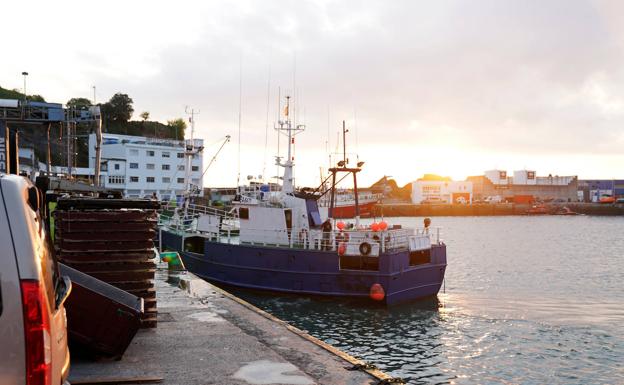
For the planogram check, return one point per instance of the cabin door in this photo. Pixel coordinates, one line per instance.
(288, 218)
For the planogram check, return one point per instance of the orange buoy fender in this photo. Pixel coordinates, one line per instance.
(377, 292)
(342, 248)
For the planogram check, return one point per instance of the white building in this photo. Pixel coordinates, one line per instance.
(143, 166)
(441, 191)
(526, 177)
(497, 177)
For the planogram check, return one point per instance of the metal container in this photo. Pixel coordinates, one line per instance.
(102, 319)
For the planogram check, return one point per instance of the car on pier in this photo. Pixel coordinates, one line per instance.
(33, 324)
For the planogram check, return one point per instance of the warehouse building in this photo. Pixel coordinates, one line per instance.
(525, 184)
(592, 190)
(435, 189)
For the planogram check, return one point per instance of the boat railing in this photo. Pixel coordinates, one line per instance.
(227, 230)
(186, 220)
(316, 239)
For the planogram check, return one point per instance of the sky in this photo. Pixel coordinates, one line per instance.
(447, 87)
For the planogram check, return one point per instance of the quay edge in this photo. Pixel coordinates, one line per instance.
(208, 336)
(494, 209)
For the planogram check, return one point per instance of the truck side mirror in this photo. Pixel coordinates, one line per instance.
(63, 289)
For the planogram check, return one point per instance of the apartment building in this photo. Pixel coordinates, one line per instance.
(144, 166)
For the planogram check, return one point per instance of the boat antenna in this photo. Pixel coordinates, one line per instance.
(240, 108)
(355, 126)
(266, 125)
(344, 143)
(279, 111)
(294, 90)
(189, 153)
(286, 128)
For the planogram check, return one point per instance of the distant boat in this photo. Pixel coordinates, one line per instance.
(344, 206)
(606, 199)
(537, 210)
(565, 210)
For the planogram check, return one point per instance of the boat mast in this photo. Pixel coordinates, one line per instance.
(342, 166)
(286, 127)
(188, 153)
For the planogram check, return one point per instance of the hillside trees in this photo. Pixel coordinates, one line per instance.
(78, 103)
(118, 109)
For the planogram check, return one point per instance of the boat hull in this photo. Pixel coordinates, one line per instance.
(348, 211)
(312, 272)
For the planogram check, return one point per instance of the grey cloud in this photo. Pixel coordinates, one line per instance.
(526, 77)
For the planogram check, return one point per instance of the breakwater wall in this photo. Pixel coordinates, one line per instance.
(412, 210)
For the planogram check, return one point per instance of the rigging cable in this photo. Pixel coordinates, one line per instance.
(266, 124)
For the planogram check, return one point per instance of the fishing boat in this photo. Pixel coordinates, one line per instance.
(537, 210)
(344, 205)
(283, 245)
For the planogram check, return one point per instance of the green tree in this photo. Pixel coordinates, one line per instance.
(144, 115)
(78, 103)
(35, 98)
(178, 125)
(118, 108)
(16, 94)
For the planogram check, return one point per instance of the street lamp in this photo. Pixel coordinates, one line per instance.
(25, 74)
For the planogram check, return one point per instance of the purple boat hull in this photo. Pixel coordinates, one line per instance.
(315, 272)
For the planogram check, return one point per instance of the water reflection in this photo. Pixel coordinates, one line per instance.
(528, 300)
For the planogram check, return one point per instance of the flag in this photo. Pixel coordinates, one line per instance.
(286, 110)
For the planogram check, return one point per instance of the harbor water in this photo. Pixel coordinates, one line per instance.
(528, 300)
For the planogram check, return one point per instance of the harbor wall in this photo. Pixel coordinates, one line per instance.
(414, 210)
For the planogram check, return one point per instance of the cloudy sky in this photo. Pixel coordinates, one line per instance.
(447, 87)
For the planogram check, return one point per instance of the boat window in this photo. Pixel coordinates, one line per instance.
(288, 217)
(194, 245)
(243, 213)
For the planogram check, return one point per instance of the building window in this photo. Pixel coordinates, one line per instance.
(150, 179)
(195, 181)
(150, 166)
(134, 179)
(181, 167)
(150, 153)
(165, 154)
(243, 213)
(116, 179)
(134, 165)
(195, 168)
(166, 179)
(116, 166)
(134, 152)
(180, 155)
(165, 167)
(180, 180)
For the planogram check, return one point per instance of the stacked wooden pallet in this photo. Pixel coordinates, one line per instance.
(111, 240)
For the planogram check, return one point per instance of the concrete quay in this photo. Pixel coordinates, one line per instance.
(207, 336)
(494, 209)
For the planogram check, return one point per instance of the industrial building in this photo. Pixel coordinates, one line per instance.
(142, 166)
(592, 190)
(436, 189)
(524, 186)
